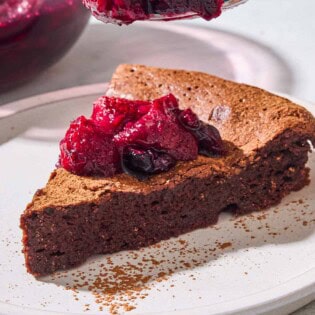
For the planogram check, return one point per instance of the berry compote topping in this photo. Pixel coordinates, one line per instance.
(140, 138)
(128, 11)
(142, 162)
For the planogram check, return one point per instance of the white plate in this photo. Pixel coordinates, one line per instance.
(262, 263)
(102, 47)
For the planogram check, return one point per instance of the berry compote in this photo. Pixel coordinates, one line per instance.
(128, 11)
(34, 34)
(140, 138)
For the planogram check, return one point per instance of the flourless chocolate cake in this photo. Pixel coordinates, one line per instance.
(268, 139)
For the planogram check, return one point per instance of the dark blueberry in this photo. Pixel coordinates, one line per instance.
(209, 140)
(208, 137)
(141, 162)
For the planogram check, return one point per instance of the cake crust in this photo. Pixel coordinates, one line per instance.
(267, 138)
(246, 116)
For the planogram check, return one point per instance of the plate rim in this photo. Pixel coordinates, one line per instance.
(275, 298)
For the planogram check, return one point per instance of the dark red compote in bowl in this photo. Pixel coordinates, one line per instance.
(140, 138)
(34, 34)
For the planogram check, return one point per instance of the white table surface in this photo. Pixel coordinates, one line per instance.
(287, 27)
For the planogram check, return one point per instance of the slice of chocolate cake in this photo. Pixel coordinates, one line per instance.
(268, 139)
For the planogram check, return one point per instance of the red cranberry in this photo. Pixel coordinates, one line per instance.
(113, 113)
(141, 162)
(86, 150)
(189, 119)
(168, 105)
(117, 11)
(159, 128)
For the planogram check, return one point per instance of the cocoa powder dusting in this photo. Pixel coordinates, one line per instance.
(118, 287)
(225, 245)
(120, 281)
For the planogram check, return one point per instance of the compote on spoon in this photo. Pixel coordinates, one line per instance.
(129, 11)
